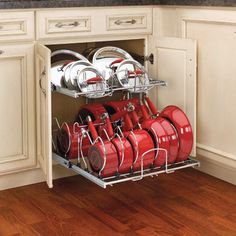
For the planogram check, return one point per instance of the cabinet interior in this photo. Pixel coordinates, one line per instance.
(65, 108)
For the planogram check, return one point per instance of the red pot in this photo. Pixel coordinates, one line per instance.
(160, 137)
(102, 155)
(116, 106)
(172, 137)
(170, 130)
(94, 110)
(123, 148)
(68, 138)
(141, 142)
(181, 123)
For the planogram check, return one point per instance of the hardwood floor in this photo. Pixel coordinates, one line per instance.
(187, 202)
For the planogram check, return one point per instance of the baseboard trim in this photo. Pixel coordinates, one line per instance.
(217, 165)
(216, 151)
(32, 176)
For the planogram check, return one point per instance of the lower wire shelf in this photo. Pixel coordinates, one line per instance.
(136, 176)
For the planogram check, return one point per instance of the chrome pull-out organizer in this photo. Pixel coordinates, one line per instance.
(81, 164)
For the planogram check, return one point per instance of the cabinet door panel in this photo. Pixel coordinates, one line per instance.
(43, 90)
(17, 130)
(216, 86)
(175, 62)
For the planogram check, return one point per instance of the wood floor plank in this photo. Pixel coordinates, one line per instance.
(186, 202)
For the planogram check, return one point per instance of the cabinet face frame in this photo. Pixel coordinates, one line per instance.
(22, 54)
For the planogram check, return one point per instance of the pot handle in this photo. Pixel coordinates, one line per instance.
(133, 74)
(151, 106)
(116, 61)
(110, 51)
(128, 122)
(94, 80)
(134, 116)
(118, 115)
(109, 128)
(65, 64)
(92, 128)
(70, 53)
(143, 109)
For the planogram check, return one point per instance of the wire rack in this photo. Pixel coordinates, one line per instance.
(110, 89)
(135, 176)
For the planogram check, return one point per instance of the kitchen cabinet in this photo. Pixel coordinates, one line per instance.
(36, 106)
(174, 61)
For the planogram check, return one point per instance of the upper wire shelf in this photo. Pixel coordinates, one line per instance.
(109, 91)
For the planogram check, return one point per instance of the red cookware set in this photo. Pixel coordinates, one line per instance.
(126, 136)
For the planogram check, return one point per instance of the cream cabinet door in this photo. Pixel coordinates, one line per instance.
(43, 94)
(17, 106)
(175, 62)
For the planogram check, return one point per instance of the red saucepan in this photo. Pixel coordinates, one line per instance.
(102, 155)
(94, 110)
(69, 137)
(181, 123)
(115, 106)
(170, 130)
(122, 145)
(157, 132)
(141, 142)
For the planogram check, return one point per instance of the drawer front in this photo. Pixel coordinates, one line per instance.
(16, 26)
(84, 23)
(63, 24)
(126, 22)
(130, 20)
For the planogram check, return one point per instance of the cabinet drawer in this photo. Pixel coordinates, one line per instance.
(16, 26)
(126, 22)
(132, 21)
(62, 24)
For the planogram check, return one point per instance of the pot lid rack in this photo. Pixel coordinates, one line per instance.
(110, 91)
(136, 176)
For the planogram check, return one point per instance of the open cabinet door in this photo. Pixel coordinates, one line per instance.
(175, 62)
(43, 93)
